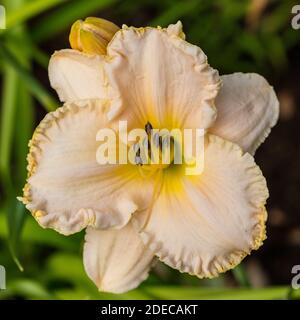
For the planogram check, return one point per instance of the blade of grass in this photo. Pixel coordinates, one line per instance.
(276, 51)
(40, 57)
(17, 215)
(64, 16)
(7, 131)
(28, 10)
(23, 104)
(33, 234)
(37, 90)
(29, 48)
(217, 294)
(25, 111)
(240, 276)
(24, 122)
(58, 266)
(9, 95)
(173, 13)
(15, 221)
(15, 211)
(29, 289)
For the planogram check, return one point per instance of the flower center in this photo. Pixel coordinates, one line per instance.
(156, 150)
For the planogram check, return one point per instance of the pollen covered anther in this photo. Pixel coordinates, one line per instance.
(148, 128)
(156, 151)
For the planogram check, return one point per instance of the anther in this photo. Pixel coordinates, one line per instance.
(148, 128)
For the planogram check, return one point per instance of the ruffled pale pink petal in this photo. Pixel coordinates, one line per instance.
(161, 79)
(247, 110)
(116, 260)
(76, 75)
(206, 224)
(67, 189)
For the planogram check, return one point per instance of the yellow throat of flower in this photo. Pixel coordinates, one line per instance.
(156, 152)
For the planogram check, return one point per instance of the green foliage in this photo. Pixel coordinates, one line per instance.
(42, 264)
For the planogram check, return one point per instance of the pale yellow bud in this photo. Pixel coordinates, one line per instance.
(92, 35)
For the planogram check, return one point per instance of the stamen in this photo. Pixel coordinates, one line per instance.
(138, 159)
(159, 145)
(148, 128)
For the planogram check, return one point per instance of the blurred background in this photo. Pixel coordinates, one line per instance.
(248, 36)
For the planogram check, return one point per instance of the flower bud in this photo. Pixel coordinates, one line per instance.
(92, 35)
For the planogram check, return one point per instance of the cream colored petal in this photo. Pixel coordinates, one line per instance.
(116, 260)
(247, 110)
(176, 30)
(67, 189)
(161, 78)
(206, 224)
(76, 75)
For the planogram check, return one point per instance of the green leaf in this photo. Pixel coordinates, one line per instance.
(218, 294)
(29, 49)
(28, 10)
(252, 45)
(9, 95)
(240, 275)
(173, 13)
(278, 18)
(276, 51)
(69, 267)
(23, 132)
(15, 220)
(32, 233)
(64, 16)
(26, 288)
(38, 91)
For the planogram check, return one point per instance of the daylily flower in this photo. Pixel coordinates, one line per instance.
(204, 224)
